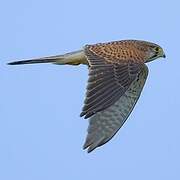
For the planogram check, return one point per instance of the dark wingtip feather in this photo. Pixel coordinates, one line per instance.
(86, 114)
(86, 146)
(90, 150)
(82, 114)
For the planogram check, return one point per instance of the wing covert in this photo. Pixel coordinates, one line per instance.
(107, 82)
(105, 124)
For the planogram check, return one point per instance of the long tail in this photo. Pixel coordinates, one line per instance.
(73, 58)
(50, 59)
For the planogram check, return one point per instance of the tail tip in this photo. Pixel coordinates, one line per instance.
(11, 63)
(18, 62)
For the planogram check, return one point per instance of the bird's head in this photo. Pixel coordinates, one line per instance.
(153, 51)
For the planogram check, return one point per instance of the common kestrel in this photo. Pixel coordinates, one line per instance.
(117, 74)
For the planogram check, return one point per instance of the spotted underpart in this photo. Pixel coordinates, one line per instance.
(104, 125)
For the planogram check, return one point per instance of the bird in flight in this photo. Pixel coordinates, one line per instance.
(117, 74)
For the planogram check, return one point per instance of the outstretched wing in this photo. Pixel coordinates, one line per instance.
(108, 81)
(104, 124)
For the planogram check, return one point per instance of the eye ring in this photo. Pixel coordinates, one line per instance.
(157, 49)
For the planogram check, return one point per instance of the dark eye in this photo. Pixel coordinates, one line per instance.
(157, 49)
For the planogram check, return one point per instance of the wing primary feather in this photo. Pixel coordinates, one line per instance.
(104, 125)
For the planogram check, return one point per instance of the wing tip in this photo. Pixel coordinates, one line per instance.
(89, 147)
(86, 114)
(82, 114)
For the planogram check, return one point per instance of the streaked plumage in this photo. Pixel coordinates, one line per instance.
(117, 73)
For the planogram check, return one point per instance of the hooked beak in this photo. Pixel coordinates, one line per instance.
(164, 56)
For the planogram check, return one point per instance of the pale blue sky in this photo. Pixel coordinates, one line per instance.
(41, 133)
